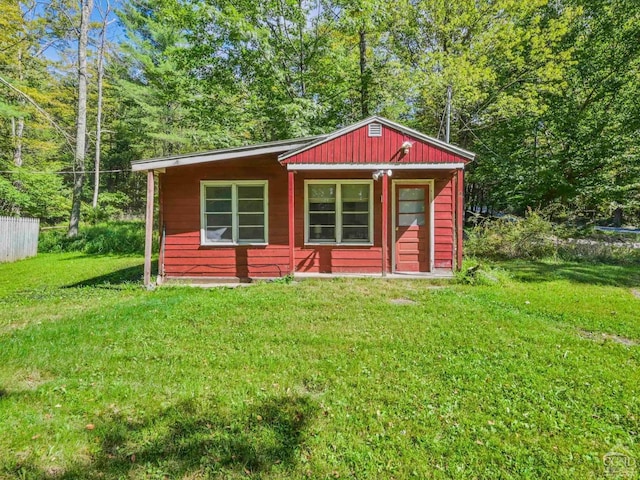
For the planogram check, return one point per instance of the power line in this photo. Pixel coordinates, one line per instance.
(70, 172)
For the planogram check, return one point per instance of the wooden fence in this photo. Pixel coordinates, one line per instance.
(18, 238)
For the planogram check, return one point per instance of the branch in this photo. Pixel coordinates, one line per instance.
(68, 138)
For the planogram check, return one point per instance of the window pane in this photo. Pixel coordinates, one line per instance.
(246, 219)
(355, 206)
(251, 234)
(412, 194)
(219, 206)
(222, 234)
(253, 191)
(322, 218)
(322, 207)
(320, 233)
(355, 193)
(255, 206)
(219, 220)
(355, 219)
(411, 206)
(322, 193)
(411, 219)
(218, 193)
(355, 234)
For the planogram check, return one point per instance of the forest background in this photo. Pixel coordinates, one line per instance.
(544, 91)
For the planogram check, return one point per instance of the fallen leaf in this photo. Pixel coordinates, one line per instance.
(90, 426)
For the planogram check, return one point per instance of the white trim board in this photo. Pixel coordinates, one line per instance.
(374, 166)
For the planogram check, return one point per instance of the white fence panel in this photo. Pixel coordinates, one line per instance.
(18, 238)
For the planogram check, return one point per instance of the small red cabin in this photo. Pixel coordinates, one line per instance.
(371, 198)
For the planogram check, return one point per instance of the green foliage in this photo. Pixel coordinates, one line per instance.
(280, 380)
(103, 238)
(36, 195)
(111, 206)
(512, 237)
(535, 237)
(545, 92)
(594, 251)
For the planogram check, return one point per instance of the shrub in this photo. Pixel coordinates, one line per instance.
(104, 238)
(111, 206)
(532, 237)
(598, 251)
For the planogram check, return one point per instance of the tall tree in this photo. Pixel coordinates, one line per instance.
(100, 75)
(81, 119)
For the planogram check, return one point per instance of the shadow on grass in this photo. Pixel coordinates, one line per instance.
(117, 278)
(195, 439)
(594, 274)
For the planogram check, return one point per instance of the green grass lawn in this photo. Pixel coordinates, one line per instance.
(507, 378)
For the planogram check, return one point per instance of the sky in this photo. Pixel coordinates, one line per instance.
(115, 32)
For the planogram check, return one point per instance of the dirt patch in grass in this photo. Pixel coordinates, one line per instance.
(402, 301)
(635, 293)
(30, 380)
(595, 336)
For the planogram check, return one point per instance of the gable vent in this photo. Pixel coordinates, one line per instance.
(375, 130)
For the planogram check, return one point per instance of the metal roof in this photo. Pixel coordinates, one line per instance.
(277, 146)
(286, 148)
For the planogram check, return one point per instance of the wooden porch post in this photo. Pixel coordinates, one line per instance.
(148, 240)
(385, 221)
(292, 231)
(459, 216)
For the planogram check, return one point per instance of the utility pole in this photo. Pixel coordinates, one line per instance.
(448, 124)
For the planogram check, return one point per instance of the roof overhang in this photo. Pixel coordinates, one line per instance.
(374, 166)
(396, 126)
(222, 154)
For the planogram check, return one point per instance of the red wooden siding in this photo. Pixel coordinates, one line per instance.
(184, 256)
(357, 147)
(337, 258)
(443, 223)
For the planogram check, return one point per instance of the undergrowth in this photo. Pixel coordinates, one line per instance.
(534, 237)
(103, 238)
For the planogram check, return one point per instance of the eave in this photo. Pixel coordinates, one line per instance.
(276, 147)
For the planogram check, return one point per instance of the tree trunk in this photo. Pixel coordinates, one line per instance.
(364, 75)
(18, 125)
(96, 183)
(17, 141)
(81, 120)
(617, 217)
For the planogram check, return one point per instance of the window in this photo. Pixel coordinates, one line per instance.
(234, 212)
(339, 211)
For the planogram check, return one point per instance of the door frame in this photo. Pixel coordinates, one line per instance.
(394, 183)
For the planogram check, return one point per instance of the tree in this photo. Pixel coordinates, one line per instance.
(81, 119)
(100, 69)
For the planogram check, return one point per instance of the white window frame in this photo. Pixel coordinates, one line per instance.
(234, 184)
(338, 224)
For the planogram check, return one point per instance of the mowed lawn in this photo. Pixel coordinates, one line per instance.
(510, 377)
